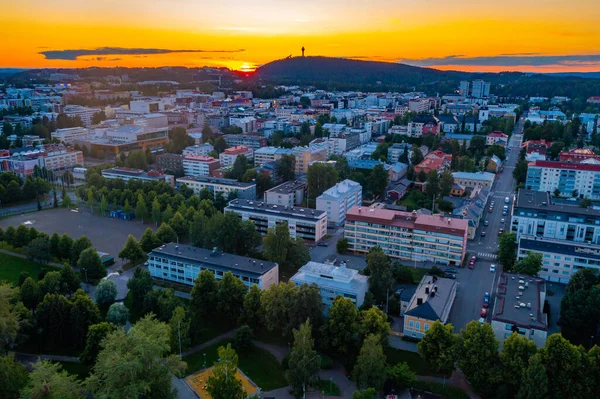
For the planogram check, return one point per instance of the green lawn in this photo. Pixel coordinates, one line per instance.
(12, 266)
(414, 361)
(77, 369)
(258, 364)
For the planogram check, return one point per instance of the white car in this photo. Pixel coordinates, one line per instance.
(482, 320)
(502, 220)
(493, 268)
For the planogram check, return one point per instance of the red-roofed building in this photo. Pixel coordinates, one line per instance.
(199, 165)
(436, 160)
(571, 179)
(496, 138)
(576, 155)
(594, 100)
(539, 146)
(229, 156)
(406, 235)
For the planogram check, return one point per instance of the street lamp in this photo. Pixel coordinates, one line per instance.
(204, 360)
(330, 385)
(85, 271)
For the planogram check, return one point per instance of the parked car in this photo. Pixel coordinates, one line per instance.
(451, 270)
(482, 233)
(506, 200)
(502, 220)
(473, 258)
(471, 266)
(491, 209)
(486, 300)
(504, 213)
(492, 268)
(322, 244)
(486, 223)
(450, 276)
(481, 321)
(483, 313)
(500, 232)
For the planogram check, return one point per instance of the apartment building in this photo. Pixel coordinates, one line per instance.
(290, 193)
(269, 154)
(520, 308)
(217, 185)
(337, 200)
(333, 281)
(228, 157)
(571, 179)
(432, 301)
(578, 155)
(135, 174)
(307, 155)
(496, 138)
(247, 140)
(51, 157)
(170, 162)
(474, 180)
(406, 235)
(68, 135)
(305, 223)
(84, 113)
(480, 89)
(199, 165)
(181, 264)
(198, 149)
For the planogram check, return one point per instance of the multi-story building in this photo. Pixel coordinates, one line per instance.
(496, 138)
(181, 264)
(67, 135)
(406, 235)
(337, 200)
(198, 149)
(519, 308)
(463, 89)
(290, 193)
(199, 165)
(474, 180)
(577, 155)
(51, 157)
(309, 224)
(228, 157)
(418, 105)
(333, 281)
(480, 89)
(396, 150)
(269, 154)
(217, 185)
(436, 160)
(247, 140)
(432, 301)
(125, 138)
(307, 155)
(170, 162)
(571, 179)
(135, 174)
(84, 113)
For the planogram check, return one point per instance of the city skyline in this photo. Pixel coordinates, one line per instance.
(470, 36)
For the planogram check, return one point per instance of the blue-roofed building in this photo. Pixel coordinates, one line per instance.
(474, 179)
(366, 164)
(398, 171)
(448, 123)
(460, 137)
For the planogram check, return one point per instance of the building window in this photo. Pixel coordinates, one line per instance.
(426, 327)
(418, 325)
(411, 324)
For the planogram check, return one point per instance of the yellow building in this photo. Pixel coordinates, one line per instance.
(432, 301)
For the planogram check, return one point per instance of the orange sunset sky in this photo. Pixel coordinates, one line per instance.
(474, 35)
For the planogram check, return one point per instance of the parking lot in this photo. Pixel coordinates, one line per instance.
(107, 235)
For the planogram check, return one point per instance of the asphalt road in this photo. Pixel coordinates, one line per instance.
(473, 284)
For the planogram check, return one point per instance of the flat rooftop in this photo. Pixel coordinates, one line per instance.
(207, 256)
(330, 276)
(520, 302)
(569, 248)
(288, 187)
(543, 201)
(263, 207)
(214, 180)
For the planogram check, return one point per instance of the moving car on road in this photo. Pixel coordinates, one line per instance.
(492, 268)
(482, 233)
(486, 300)
(483, 313)
(486, 223)
(500, 232)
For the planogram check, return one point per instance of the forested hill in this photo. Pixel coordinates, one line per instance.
(342, 72)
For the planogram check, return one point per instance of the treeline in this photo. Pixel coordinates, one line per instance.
(556, 132)
(14, 189)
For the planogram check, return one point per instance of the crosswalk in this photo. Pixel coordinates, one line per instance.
(487, 255)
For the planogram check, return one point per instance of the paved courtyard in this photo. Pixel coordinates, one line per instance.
(107, 235)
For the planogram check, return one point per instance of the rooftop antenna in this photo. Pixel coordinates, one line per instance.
(302, 51)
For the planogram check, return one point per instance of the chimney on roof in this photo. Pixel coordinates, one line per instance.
(427, 290)
(419, 301)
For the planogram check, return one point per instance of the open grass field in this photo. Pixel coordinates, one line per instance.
(258, 364)
(12, 266)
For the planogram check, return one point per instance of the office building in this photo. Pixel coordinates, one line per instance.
(135, 174)
(290, 193)
(474, 180)
(337, 200)
(199, 165)
(217, 185)
(571, 179)
(181, 264)
(432, 301)
(519, 308)
(228, 157)
(309, 224)
(407, 235)
(247, 140)
(68, 135)
(125, 138)
(333, 281)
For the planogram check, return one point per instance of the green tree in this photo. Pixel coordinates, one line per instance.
(304, 363)
(179, 324)
(204, 295)
(342, 246)
(38, 250)
(368, 393)
(141, 210)
(286, 167)
(381, 279)
(564, 363)
(580, 307)
(103, 205)
(95, 336)
(30, 293)
(534, 380)
(156, 213)
(127, 207)
(139, 285)
(13, 377)
(402, 375)
(507, 250)
(179, 226)
(530, 265)
(69, 280)
(446, 183)
(374, 322)
(106, 293)
(54, 318)
(438, 347)
(84, 313)
(422, 176)
(514, 359)
(91, 201)
(370, 368)
(230, 296)
(279, 247)
(520, 171)
(132, 251)
(207, 133)
(79, 245)
(64, 246)
(320, 177)
(91, 268)
(9, 319)
(149, 241)
(239, 167)
(341, 328)
(166, 234)
(50, 284)
(432, 187)
(276, 303)
(49, 380)
(417, 156)
(223, 384)
(117, 314)
(252, 312)
(66, 200)
(136, 364)
(478, 356)
(243, 339)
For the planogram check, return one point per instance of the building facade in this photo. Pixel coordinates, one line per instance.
(290, 193)
(474, 180)
(571, 179)
(135, 174)
(181, 264)
(305, 223)
(199, 165)
(337, 200)
(217, 185)
(247, 140)
(406, 235)
(228, 157)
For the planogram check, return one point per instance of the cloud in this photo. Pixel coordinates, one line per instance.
(73, 54)
(508, 60)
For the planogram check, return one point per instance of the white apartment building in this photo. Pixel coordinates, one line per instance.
(269, 154)
(419, 105)
(305, 223)
(228, 157)
(480, 89)
(217, 185)
(199, 165)
(68, 135)
(339, 199)
(146, 106)
(579, 178)
(246, 123)
(333, 281)
(84, 113)
(198, 149)
(290, 193)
